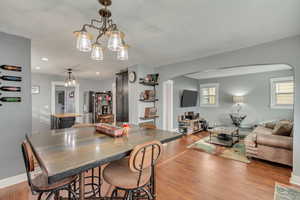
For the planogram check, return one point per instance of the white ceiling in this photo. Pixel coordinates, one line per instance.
(159, 32)
(236, 71)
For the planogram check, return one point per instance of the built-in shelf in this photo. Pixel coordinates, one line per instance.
(148, 100)
(148, 83)
(147, 118)
(150, 80)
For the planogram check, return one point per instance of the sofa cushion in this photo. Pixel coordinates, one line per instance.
(275, 141)
(283, 128)
(292, 133)
(262, 130)
(270, 125)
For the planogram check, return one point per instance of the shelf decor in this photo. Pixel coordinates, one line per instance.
(149, 96)
(10, 89)
(10, 99)
(11, 68)
(11, 78)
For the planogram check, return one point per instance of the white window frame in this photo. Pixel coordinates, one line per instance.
(273, 82)
(210, 85)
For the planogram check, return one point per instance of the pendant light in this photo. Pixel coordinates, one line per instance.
(70, 80)
(105, 27)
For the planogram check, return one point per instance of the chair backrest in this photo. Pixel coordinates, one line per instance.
(148, 126)
(28, 159)
(82, 125)
(144, 156)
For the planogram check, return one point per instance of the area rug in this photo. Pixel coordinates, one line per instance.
(236, 152)
(283, 192)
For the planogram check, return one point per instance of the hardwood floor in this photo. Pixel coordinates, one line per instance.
(186, 174)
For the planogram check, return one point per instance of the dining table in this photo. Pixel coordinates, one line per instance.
(68, 152)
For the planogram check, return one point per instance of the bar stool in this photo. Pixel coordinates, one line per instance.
(133, 174)
(39, 183)
(91, 180)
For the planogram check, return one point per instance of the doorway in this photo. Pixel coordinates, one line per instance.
(122, 105)
(64, 99)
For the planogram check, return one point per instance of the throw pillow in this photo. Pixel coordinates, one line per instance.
(283, 129)
(292, 133)
(270, 125)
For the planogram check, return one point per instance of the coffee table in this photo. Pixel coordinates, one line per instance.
(225, 136)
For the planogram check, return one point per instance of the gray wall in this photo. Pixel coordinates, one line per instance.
(182, 83)
(286, 51)
(255, 88)
(41, 103)
(15, 118)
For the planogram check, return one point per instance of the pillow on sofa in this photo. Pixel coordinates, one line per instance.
(292, 133)
(270, 125)
(263, 130)
(283, 128)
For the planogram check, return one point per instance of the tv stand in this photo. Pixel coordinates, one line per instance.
(190, 125)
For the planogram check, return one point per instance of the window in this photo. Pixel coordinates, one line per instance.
(209, 95)
(282, 92)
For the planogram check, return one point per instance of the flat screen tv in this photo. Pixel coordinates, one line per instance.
(189, 98)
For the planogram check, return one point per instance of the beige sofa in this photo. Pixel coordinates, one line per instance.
(272, 142)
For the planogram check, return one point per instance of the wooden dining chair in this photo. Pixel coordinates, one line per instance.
(38, 183)
(83, 125)
(92, 181)
(148, 126)
(132, 174)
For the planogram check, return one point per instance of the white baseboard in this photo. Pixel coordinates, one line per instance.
(295, 179)
(13, 180)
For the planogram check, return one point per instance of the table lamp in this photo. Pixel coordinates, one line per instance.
(238, 100)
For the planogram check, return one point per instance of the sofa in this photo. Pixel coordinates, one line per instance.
(272, 141)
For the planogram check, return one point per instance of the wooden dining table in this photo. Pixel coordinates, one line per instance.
(67, 152)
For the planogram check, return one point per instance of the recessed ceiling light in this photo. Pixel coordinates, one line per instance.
(44, 59)
(98, 73)
(37, 68)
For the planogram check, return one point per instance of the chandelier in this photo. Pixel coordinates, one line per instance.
(107, 30)
(70, 80)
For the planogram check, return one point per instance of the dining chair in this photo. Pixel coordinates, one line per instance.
(92, 181)
(132, 174)
(38, 182)
(82, 125)
(148, 126)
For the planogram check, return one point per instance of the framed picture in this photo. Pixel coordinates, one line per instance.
(35, 89)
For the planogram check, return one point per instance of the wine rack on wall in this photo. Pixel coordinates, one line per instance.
(10, 93)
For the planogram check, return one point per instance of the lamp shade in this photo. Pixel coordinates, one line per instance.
(97, 52)
(115, 40)
(122, 54)
(83, 42)
(238, 99)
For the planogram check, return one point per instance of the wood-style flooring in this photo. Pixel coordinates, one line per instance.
(187, 174)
